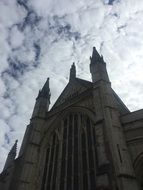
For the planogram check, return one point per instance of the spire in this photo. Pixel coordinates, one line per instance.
(98, 67)
(45, 92)
(95, 56)
(13, 149)
(73, 72)
(11, 156)
(42, 101)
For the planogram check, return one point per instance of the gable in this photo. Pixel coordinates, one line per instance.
(73, 88)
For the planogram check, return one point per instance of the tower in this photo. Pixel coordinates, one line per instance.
(7, 173)
(88, 140)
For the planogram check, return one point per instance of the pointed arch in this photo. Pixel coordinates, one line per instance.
(74, 161)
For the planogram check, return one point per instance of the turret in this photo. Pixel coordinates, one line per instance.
(42, 101)
(11, 156)
(72, 72)
(98, 67)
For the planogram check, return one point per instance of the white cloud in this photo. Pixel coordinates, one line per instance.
(16, 37)
(10, 13)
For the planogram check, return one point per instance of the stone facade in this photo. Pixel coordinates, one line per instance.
(88, 140)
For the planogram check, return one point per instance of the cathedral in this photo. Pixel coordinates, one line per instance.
(88, 140)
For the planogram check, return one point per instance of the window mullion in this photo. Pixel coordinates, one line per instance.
(66, 158)
(87, 151)
(73, 125)
(53, 165)
(55, 162)
(80, 123)
(60, 158)
(48, 181)
(93, 159)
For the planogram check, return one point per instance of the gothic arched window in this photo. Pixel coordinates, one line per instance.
(70, 162)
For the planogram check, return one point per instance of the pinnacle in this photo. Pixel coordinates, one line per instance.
(95, 56)
(45, 92)
(73, 71)
(14, 148)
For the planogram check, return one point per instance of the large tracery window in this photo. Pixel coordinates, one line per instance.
(70, 161)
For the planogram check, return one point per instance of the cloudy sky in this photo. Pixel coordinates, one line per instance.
(41, 38)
